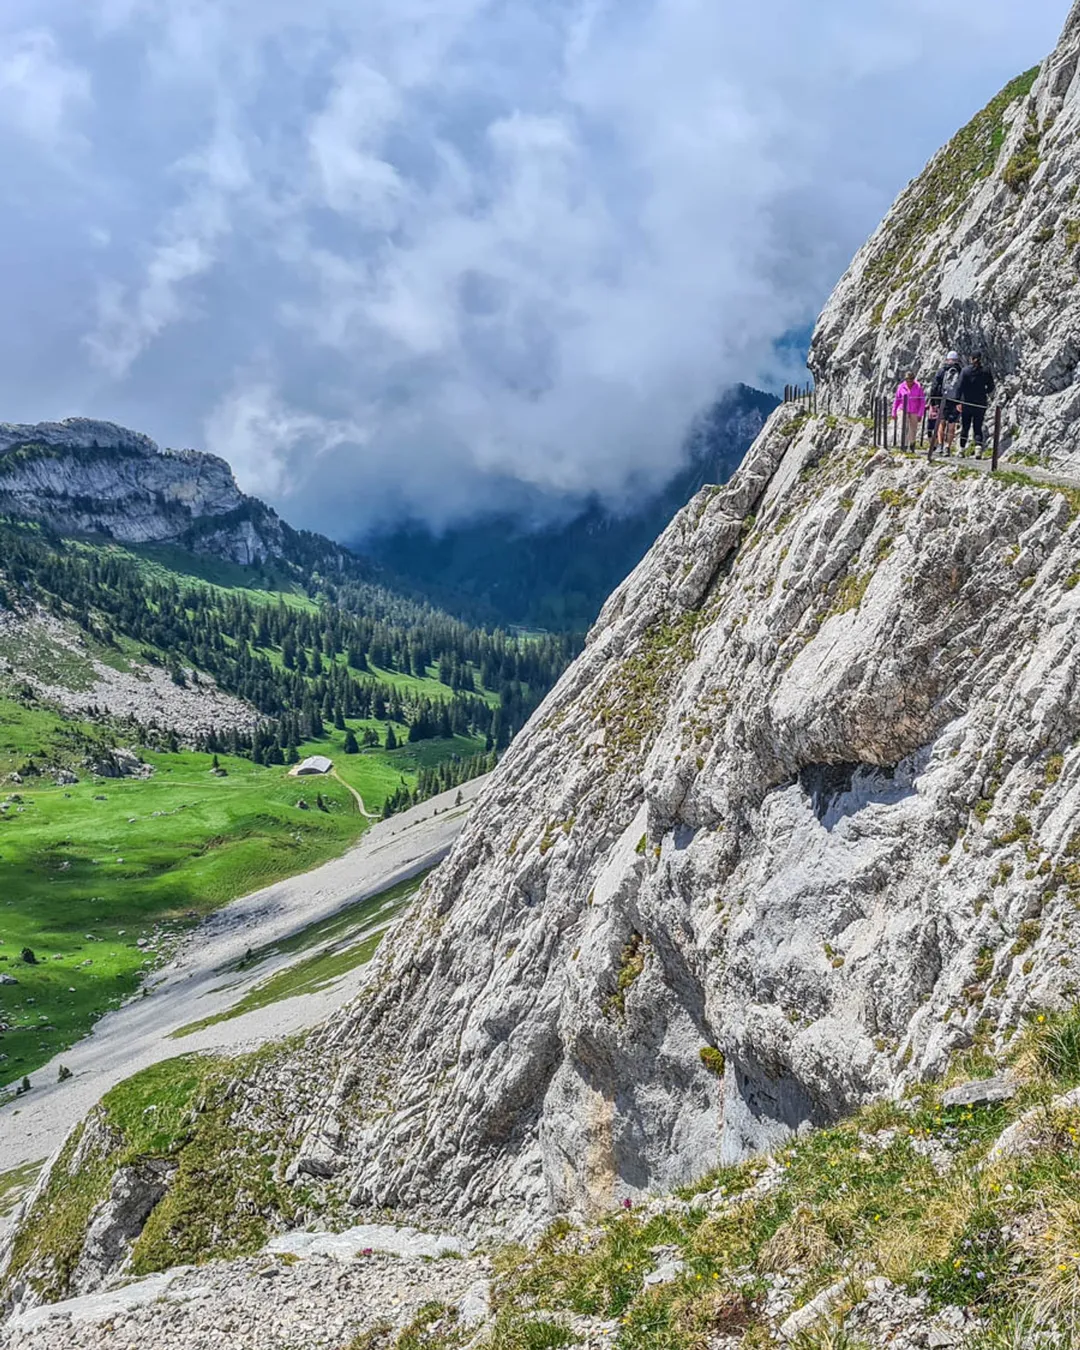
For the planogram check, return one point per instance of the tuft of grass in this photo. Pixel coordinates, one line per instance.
(518, 1331)
(1024, 161)
(850, 593)
(632, 695)
(631, 965)
(1049, 1047)
(15, 1182)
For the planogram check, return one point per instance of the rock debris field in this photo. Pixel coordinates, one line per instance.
(274, 1301)
(144, 693)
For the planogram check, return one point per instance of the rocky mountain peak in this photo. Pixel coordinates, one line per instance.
(88, 477)
(75, 433)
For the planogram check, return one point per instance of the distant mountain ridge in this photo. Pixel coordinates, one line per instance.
(82, 476)
(497, 569)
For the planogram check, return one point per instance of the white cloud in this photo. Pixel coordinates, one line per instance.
(131, 317)
(42, 96)
(466, 244)
(255, 430)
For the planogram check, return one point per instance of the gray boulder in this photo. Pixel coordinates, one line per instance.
(980, 1092)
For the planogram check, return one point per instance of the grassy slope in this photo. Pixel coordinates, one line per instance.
(87, 870)
(189, 843)
(904, 1190)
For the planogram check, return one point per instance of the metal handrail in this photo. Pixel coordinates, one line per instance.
(882, 415)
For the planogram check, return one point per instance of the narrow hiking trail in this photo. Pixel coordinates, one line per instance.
(201, 979)
(355, 795)
(1005, 466)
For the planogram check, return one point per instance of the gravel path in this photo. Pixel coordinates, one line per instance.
(355, 795)
(199, 982)
(983, 465)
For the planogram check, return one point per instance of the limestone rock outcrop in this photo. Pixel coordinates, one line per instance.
(798, 825)
(83, 476)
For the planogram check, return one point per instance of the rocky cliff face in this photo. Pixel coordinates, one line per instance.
(980, 252)
(82, 476)
(798, 825)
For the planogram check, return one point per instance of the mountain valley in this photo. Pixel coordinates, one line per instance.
(743, 1011)
(557, 576)
(153, 700)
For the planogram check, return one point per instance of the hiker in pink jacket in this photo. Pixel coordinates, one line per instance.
(911, 402)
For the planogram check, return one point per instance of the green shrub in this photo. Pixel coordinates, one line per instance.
(631, 964)
(1021, 167)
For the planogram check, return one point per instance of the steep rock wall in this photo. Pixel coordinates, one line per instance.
(808, 799)
(82, 476)
(980, 252)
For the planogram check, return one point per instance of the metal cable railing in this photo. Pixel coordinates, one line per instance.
(897, 436)
(882, 416)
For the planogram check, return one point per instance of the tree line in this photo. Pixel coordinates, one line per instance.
(304, 663)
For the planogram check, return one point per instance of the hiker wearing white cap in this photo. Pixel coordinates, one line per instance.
(945, 395)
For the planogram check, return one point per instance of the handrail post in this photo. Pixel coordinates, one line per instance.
(997, 440)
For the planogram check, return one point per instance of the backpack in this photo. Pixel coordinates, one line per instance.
(950, 382)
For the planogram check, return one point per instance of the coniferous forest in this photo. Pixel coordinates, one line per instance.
(308, 652)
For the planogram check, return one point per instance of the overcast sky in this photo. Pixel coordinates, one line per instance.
(395, 256)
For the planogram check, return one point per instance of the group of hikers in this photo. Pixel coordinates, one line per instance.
(959, 396)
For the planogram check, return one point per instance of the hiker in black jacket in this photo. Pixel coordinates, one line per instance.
(944, 395)
(976, 386)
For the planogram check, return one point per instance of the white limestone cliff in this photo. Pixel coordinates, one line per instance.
(808, 799)
(85, 476)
